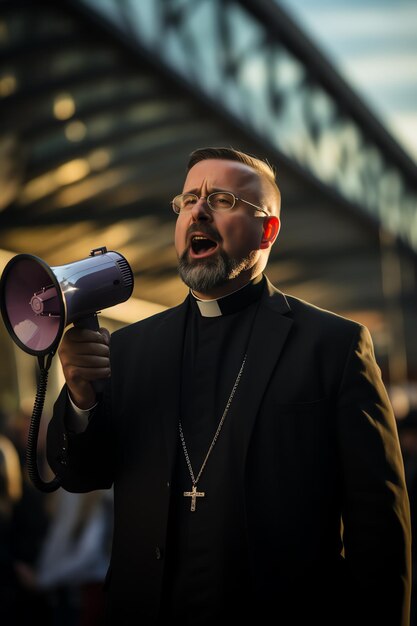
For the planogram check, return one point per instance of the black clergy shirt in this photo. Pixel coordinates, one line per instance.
(206, 561)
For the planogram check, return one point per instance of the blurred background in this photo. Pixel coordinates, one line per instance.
(101, 102)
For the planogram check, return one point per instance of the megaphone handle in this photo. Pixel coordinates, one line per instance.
(91, 322)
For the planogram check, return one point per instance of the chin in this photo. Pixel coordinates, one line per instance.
(203, 274)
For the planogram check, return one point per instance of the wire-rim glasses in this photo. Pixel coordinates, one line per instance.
(217, 201)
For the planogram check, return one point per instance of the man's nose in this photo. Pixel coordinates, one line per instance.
(201, 209)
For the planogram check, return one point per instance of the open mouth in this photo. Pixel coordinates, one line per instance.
(202, 246)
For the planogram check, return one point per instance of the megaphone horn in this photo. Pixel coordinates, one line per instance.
(38, 302)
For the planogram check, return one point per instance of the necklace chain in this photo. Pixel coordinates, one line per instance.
(195, 479)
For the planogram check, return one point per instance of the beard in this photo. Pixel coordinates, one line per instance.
(206, 274)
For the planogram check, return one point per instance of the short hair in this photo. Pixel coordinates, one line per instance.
(230, 154)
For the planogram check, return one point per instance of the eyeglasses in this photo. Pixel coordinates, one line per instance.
(217, 201)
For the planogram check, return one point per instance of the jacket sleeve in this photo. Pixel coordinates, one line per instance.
(82, 461)
(376, 513)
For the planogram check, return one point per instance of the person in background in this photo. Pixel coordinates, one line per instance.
(248, 435)
(75, 555)
(23, 522)
(10, 494)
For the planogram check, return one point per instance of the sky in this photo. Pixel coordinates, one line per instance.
(373, 45)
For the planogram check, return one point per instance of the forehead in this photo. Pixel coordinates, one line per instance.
(221, 174)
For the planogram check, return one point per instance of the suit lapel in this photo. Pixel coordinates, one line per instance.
(170, 346)
(270, 331)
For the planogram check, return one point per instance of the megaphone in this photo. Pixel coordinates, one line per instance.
(37, 301)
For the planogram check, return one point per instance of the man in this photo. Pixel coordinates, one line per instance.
(252, 447)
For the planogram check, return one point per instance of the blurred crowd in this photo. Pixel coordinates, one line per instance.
(54, 547)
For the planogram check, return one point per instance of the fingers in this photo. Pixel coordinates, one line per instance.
(85, 348)
(85, 335)
(85, 358)
(106, 334)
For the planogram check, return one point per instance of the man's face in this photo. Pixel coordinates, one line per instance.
(219, 252)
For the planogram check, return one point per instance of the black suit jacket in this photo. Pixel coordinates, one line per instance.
(316, 455)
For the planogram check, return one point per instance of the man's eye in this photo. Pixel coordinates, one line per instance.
(223, 201)
(188, 201)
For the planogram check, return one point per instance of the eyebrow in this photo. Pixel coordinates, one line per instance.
(213, 190)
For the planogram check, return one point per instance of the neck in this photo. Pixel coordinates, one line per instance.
(210, 297)
(224, 290)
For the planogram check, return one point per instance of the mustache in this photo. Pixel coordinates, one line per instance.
(205, 229)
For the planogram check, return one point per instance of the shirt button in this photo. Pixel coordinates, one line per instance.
(158, 552)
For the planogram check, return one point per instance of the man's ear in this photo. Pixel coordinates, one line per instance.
(271, 228)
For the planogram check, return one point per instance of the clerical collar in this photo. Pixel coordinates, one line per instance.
(233, 302)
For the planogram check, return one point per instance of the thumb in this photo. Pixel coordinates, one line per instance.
(105, 334)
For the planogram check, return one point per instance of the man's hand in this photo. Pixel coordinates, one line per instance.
(85, 358)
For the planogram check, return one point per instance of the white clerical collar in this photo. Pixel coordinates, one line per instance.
(232, 302)
(208, 308)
